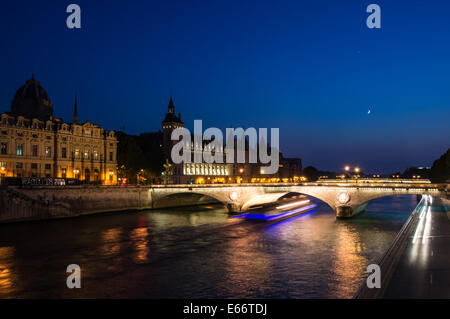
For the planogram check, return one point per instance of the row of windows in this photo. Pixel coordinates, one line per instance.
(48, 137)
(33, 166)
(19, 150)
(48, 152)
(92, 155)
(21, 123)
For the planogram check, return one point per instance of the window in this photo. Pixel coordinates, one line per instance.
(5, 132)
(48, 151)
(18, 165)
(86, 154)
(35, 135)
(111, 156)
(77, 153)
(64, 173)
(35, 150)
(4, 148)
(64, 152)
(19, 134)
(19, 150)
(33, 165)
(48, 137)
(48, 166)
(95, 155)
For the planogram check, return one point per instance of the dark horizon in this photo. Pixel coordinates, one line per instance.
(313, 70)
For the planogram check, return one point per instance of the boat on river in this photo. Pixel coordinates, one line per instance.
(286, 207)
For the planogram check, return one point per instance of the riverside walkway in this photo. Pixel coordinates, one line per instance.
(423, 270)
(417, 265)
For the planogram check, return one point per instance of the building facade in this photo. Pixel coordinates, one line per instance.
(33, 143)
(290, 169)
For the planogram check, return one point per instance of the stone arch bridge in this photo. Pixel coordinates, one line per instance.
(43, 202)
(346, 199)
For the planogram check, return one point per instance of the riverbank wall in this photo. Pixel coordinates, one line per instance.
(39, 203)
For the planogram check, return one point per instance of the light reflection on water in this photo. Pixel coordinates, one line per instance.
(195, 253)
(6, 274)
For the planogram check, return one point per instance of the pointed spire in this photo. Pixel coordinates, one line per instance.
(171, 106)
(75, 112)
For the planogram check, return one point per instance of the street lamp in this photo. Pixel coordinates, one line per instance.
(347, 168)
(3, 171)
(357, 169)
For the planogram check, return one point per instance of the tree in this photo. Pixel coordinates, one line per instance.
(140, 157)
(129, 157)
(311, 173)
(440, 171)
(151, 146)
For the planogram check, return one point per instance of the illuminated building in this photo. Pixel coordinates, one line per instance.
(33, 143)
(290, 169)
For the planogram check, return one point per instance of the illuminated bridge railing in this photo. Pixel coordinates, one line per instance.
(373, 186)
(377, 180)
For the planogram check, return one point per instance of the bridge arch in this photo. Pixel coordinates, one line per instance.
(271, 197)
(360, 206)
(185, 199)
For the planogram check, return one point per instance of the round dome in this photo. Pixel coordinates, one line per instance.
(32, 101)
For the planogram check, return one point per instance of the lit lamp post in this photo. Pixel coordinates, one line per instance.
(241, 171)
(111, 173)
(3, 172)
(75, 173)
(167, 171)
(347, 171)
(139, 175)
(356, 170)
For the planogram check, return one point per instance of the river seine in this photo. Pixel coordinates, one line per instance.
(198, 253)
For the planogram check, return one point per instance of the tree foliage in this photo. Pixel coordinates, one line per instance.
(440, 171)
(311, 173)
(139, 156)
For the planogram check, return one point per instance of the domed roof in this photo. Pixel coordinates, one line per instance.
(32, 101)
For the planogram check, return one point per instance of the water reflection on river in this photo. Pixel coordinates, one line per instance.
(198, 253)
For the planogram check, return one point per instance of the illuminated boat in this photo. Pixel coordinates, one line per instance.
(283, 208)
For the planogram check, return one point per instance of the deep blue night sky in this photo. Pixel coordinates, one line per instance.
(312, 68)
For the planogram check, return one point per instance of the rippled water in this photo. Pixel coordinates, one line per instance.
(198, 253)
